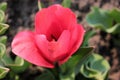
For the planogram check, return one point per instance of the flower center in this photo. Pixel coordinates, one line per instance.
(53, 38)
(52, 46)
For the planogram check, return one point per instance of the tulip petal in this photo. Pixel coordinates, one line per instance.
(43, 45)
(24, 46)
(54, 50)
(64, 16)
(63, 45)
(77, 38)
(76, 41)
(43, 21)
(53, 20)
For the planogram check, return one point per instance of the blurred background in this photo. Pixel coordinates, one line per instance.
(20, 16)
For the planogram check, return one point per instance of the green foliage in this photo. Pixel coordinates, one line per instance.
(66, 3)
(3, 28)
(87, 36)
(6, 63)
(46, 75)
(106, 20)
(19, 65)
(85, 65)
(39, 5)
(2, 16)
(71, 67)
(2, 50)
(95, 67)
(115, 13)
(3, 6)
(3, 72)
(3, 39)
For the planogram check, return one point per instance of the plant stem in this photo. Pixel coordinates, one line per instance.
(39, 5)
(56, 71)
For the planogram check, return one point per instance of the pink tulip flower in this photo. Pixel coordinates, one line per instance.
(57, 36)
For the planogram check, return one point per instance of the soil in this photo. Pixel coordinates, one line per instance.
(20, 16)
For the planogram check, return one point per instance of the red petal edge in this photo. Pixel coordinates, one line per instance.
(24, 46)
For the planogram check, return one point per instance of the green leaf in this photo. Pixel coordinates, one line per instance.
(105, 20)
(3, 39)
(3, 28)
(3, 72)
(87, 36)
(2, 50)
(115, 14)
(6, 59)
(115, 29)
(66, 3)
(19, 65)
(95, 67)
(68, 70)
(3, 6)
(2, 16)
(99, 18)
(46, 75)
(39, 5)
